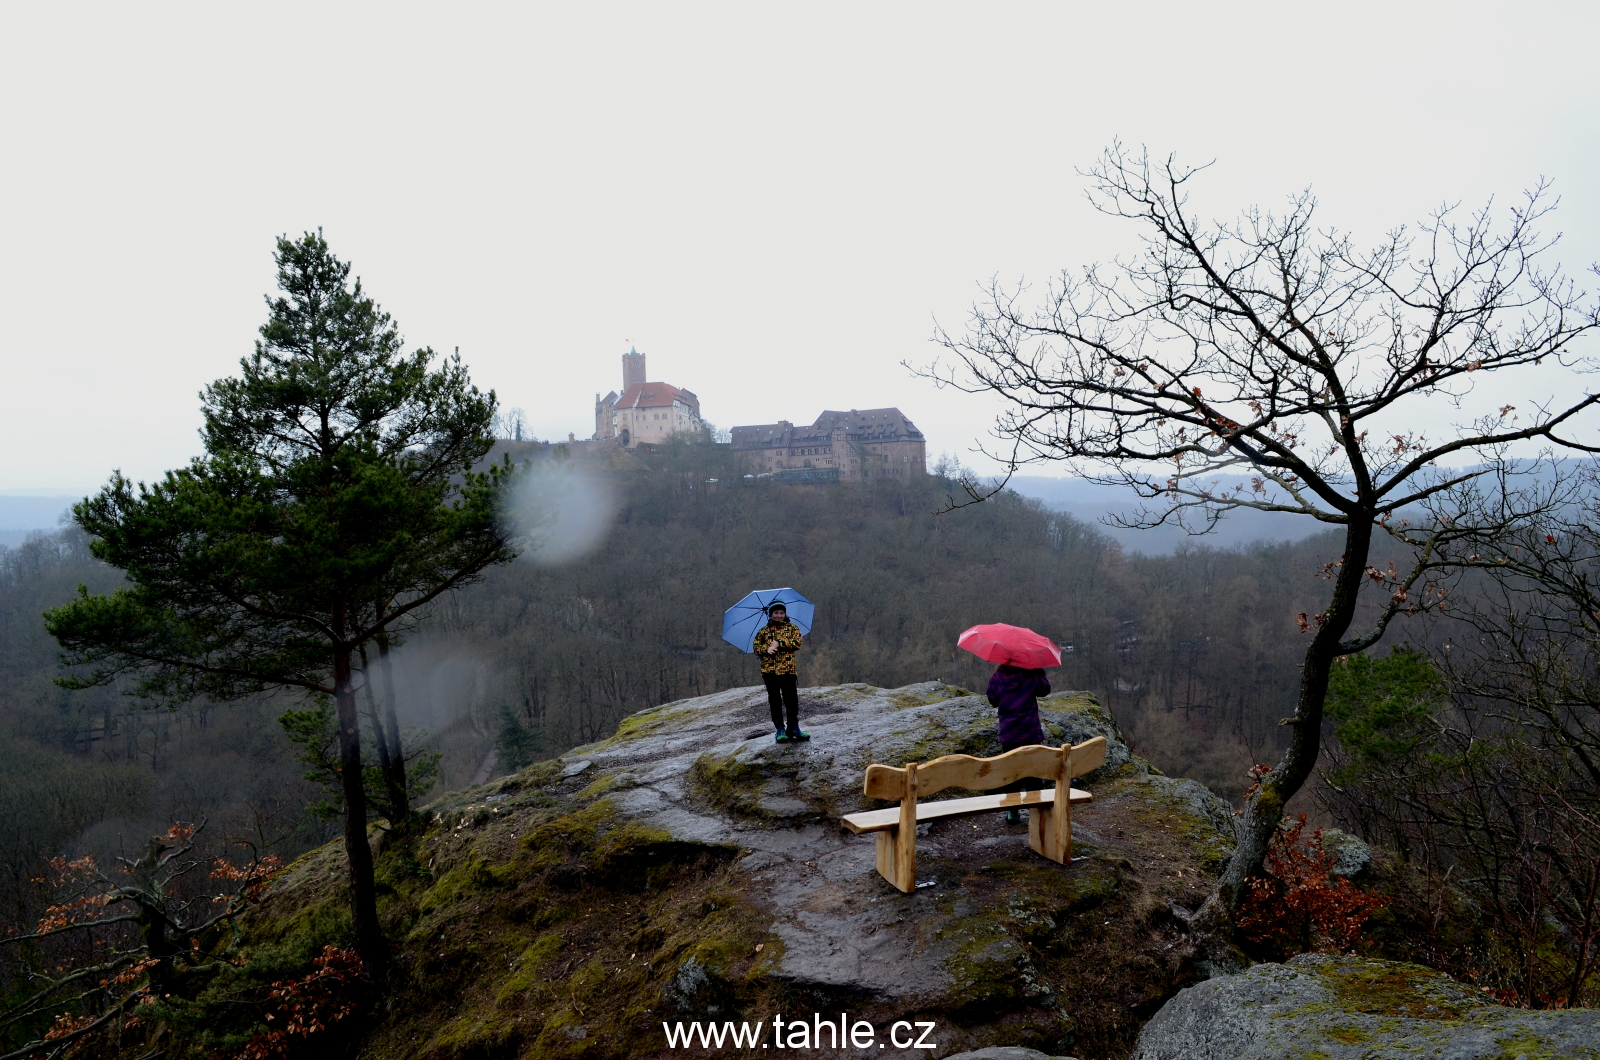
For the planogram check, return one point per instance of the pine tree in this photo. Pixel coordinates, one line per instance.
(335, 498)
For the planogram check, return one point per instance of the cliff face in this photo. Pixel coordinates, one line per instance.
(688, 868)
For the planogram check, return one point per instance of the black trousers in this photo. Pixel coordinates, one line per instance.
(1026, 783)
(783, 695)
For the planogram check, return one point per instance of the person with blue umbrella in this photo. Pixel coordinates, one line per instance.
(760, 624)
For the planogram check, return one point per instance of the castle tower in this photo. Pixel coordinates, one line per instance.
(632, 369)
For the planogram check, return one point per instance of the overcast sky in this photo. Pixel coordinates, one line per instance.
(774, 202)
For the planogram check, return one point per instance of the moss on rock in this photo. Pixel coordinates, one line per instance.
(1189, 810)
(733, 783)
(644, 723)
(474, 874)
(924, 694)
(551, 843)
(1392, 988)
(1344, 1008)
(529, 967)
(607, 783)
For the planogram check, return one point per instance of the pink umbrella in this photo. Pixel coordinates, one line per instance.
(1000, 643)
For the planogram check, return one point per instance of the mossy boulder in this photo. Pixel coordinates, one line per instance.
(1351, 856)
(1347, 1008)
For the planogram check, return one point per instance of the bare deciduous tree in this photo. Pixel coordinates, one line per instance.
(146, 928)
(511, 424)
(1269, 349)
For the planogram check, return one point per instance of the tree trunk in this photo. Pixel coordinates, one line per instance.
(1212, 926)
(363, 887)
(152, 918)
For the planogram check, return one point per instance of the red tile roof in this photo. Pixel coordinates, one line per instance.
(656, 395)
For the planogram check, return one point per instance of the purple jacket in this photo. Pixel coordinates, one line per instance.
(1015, 694)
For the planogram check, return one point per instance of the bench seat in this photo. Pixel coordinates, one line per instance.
(883, 820)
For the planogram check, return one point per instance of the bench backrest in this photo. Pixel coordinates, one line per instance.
(982, 774)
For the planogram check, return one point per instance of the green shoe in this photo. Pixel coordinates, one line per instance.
(780, 737)
(798, 735)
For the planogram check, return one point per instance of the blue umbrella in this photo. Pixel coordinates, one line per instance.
(742, 621)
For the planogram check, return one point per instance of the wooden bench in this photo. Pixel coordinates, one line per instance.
(1049, 823)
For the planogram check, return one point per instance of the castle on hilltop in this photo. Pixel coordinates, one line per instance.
(859, 445)
(856, 446)
(644, 412)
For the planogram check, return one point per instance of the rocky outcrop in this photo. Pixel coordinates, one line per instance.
(1346, 1008)
(703, 773)
(689, 868)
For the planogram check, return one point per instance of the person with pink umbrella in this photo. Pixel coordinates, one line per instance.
(1015, 686)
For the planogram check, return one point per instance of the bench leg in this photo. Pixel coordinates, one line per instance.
(1050, 827)
(1047, 837)
(897, 857)
(897, 847)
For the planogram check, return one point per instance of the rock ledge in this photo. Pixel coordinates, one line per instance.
(1345, 1008)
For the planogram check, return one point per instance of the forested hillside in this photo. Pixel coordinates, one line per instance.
(1195, 651)
(95, 770)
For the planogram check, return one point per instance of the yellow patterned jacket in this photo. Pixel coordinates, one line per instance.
(788, 639)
